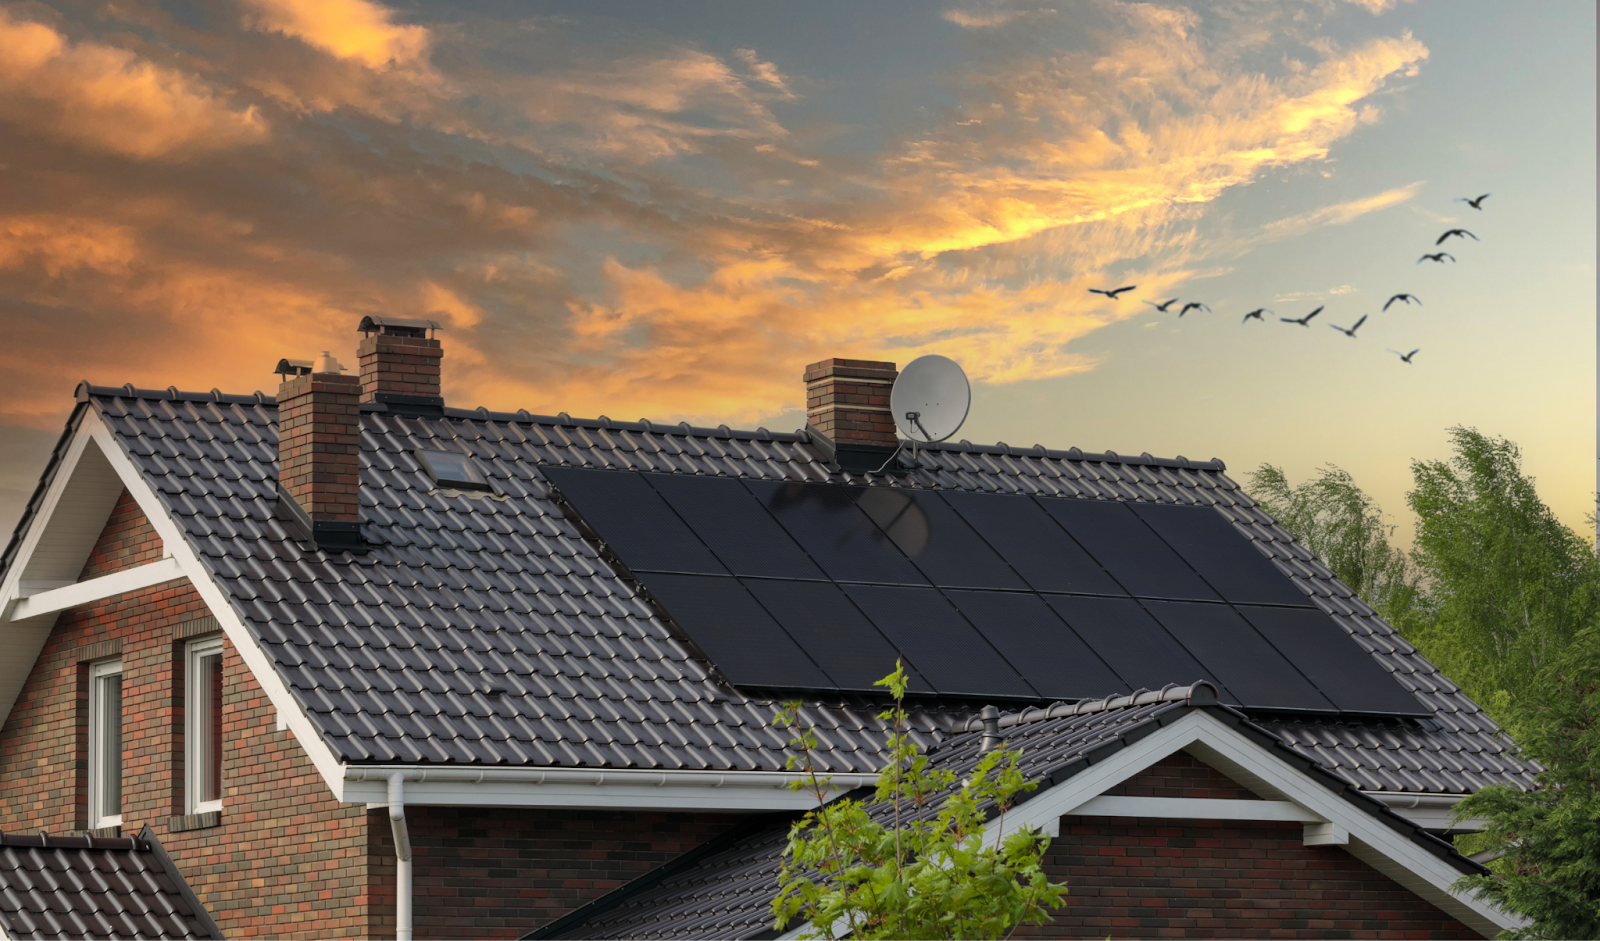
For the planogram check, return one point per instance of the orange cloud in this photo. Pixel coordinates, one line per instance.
(110, 99)
(348, 29)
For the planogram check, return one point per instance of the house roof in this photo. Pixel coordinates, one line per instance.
(95, 887)
(725, 888)
(391, 653)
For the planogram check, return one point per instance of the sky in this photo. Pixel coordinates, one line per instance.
(667, 210)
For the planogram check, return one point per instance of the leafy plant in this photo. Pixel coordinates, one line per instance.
(900, 866)
(1550, 836)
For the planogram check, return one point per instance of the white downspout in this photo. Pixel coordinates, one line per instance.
(402, 855)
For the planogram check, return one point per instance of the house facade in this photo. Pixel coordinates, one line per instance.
(369, 665)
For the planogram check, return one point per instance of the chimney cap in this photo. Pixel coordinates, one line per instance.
(289, 368)
(326, 363)
(397, 327)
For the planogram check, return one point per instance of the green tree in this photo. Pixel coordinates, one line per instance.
(1510, 587)
(1339, 522)
(1550, 836)
(900, 868)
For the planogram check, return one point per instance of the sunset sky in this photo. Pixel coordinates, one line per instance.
(666, 209)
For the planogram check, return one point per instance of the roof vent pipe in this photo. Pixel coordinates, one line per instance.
(991, 730)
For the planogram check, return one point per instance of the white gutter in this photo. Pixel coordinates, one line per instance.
(402, 856)
(582, 787)
(1429, 811)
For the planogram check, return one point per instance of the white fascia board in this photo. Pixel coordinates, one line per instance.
(177, 546)
(620, 789)
(97, 589)
(10, 589)
(1220, 745)
(1194, 808)
(1429, 811)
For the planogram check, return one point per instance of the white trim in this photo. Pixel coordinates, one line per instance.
(195, 742)
(578, 787)
(96, 589)
(1429, 811)
(1267, 774)
(289, 711)
(1193, 808)
(97, 771)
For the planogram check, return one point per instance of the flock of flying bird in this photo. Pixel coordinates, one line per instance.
(1260, 312)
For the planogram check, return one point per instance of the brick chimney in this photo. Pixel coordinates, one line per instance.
(847, 401)
(400, 365)
(319, 453)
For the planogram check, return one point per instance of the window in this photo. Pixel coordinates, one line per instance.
(202, 737)
(453, 469)
(105, 744)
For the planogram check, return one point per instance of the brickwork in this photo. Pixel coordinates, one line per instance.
(127, 542)
(286, 859)
(319, 437)
(501, 873)
(1179, 775)
(848, 400)
(1223, 879)
(402, 365)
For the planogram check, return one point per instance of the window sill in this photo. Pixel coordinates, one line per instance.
(114, 830)
(202, 821)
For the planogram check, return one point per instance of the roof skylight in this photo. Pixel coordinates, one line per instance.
(453, 470)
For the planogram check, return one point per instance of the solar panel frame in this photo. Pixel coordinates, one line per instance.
(1213, 547)
(1144, 565)
(1132, 642)
(1236, 653)
(1032, 543)
(735, 526)
(1038, 643)
(946, 649)
(1333, 660)
(936, 539)
(825, 520)
(727, 622)
(829, 627)
(629, 516)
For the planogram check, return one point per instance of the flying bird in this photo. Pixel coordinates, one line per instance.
(1257, 314)
(1192, 305)
(1161, 306)
(1456, 232)
(1406, 357)
(1474, 203)
(1113, 294)
(1350, 331)
(1303, 321)
(1436, 256)
(1407, 298)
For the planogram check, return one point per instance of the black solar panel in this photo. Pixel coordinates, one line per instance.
(1128, 549)
(826, 522)
(741, 533)
(633, 519)
(1236, 654)
(945, 649)
(830, 628)
(936, 540)
(983, 595)
(1131, 642)
(1031, 541)
(1049, 655)
(1332, 659)
(735, 631)
(1224, 558)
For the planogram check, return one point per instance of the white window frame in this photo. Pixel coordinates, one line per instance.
(97, 770)
(195, 742)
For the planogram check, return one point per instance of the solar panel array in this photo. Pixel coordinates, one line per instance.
(788, 585)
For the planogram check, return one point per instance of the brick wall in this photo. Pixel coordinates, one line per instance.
(501, 873)
(128, 541)
(1143, 878)
(286, 860)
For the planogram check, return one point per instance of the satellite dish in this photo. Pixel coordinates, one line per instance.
(930, 399)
